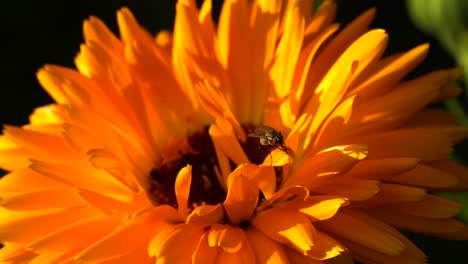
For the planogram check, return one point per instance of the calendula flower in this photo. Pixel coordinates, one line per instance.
(271, 137)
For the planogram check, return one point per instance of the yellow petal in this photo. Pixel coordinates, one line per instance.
(320, 207)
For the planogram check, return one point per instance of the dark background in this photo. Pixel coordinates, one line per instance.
(38, 32)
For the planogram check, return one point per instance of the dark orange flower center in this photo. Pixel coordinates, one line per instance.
(205, 187)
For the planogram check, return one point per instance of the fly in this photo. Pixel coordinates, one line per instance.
(270, 137)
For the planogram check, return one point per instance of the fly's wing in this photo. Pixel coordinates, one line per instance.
(261, 131)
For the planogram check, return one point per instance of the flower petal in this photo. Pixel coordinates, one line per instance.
(204, 253)
(320, 207)
(266, 250)
(40, 200)
(206, 214)
(369, 235)
(230, 239)
(178, 245)
(77, 235)
(426, 176)
(445, 227)
(22, 228)
(392, 194)
(325, 247)
(289, 226)
(326, 164)
(182, 189)
(241, 199)
(389, 72)
(431, 206)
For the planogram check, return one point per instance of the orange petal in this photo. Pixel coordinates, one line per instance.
(108, 161)
(431, 206)
(285, 196)
(362, 233)
(288, 49)
(139, 230)
(182, 189)
(431, 116)
(335, 48)
(453, 168)
(22, 227)
(266, 250)
(366, 255)
(16, 252)
(407, 143)
(75, 236)
(179, 244)
(204, 253)
(231, 239)
(381, 168)
(325, 247)
(289, 226)
(96, 31)
(392, 194)
(223, 136)
(326, 164)
(445, 227)
(244, 255)
(106, 204)
(234, 53)
(27, 180)
(265, 20)
(81, 177)
(353, 189)
(53, 146)
(241, 199)
(40, 200)
(426, 176)
(208, 214)
(389, 73)
(410, 248)
(297, 257)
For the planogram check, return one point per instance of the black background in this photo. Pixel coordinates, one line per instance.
(34, 33)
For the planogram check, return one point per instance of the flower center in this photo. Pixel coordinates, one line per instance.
(205, 187)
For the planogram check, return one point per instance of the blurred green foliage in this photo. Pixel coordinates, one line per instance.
(447, 20)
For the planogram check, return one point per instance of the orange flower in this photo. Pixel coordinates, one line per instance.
(148, 153)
